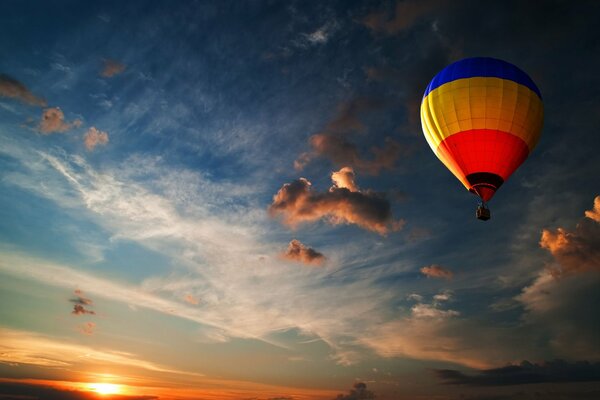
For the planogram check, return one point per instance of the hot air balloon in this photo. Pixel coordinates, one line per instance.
(482, 118)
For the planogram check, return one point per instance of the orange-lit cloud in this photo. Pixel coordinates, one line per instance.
(80, 303)
(94, 137)
(12, 88)
(576, 250)
(88, 328)
(333, 142)
(53, 120)
(437, 271)
(407, 13)
(296, 203)
(297, 251)
(344, 178)
(594, 213)
(191, 299)
(78, 309)
(112, 68)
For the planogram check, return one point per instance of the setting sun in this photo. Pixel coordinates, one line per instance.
(105, 388)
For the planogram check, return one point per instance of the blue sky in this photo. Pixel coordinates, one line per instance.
(145, 199)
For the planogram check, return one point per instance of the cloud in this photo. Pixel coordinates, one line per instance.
(112, 68)
(80, 303)
(78, 309)
(332, 142)
(557, 371)
(577, 250)
(407, 13)
(594, 214)
(88, 328)
(297, 251)
(296, 203)
(359, 391)
(191, 299)
(437, 271)
(12, 88)
(344, 178)
(94, 137)
(79, 299)
(323, 34)
(53, 120)
(25, 390)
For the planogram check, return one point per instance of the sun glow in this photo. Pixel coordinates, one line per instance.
(105, 388)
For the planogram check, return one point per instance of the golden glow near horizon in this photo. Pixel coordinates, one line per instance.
(105, 388)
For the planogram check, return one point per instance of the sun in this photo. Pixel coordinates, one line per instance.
(105, 388)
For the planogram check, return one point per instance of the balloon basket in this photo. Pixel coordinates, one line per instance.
(482, 213)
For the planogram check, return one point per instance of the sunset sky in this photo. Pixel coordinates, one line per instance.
(151, 244)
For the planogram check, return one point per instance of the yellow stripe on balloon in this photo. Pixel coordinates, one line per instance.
(482, 103)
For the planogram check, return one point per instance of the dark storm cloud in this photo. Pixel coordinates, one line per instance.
(296, 203)
(112, 68)
(299, 252)
(557, 371)
(358, 392)
(333, 141)
(575, 250)
(12, 88)
(14, 390)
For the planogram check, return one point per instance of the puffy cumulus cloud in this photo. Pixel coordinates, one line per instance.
(87, 329)
(577, 250)
(359, 391)
(594, 213)
(333, 142)
(53, 120)
(12, 88)
(296, 203)
(297, 251)
(406, 14)
(557, 371)
(94, 137)
(436, 271)
(344, 178)
(111, 68)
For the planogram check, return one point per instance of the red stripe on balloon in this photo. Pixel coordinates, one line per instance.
(482, 150)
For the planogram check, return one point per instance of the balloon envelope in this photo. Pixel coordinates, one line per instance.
(482, 117)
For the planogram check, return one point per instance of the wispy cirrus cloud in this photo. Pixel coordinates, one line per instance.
(297, 203)
(12, 88)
